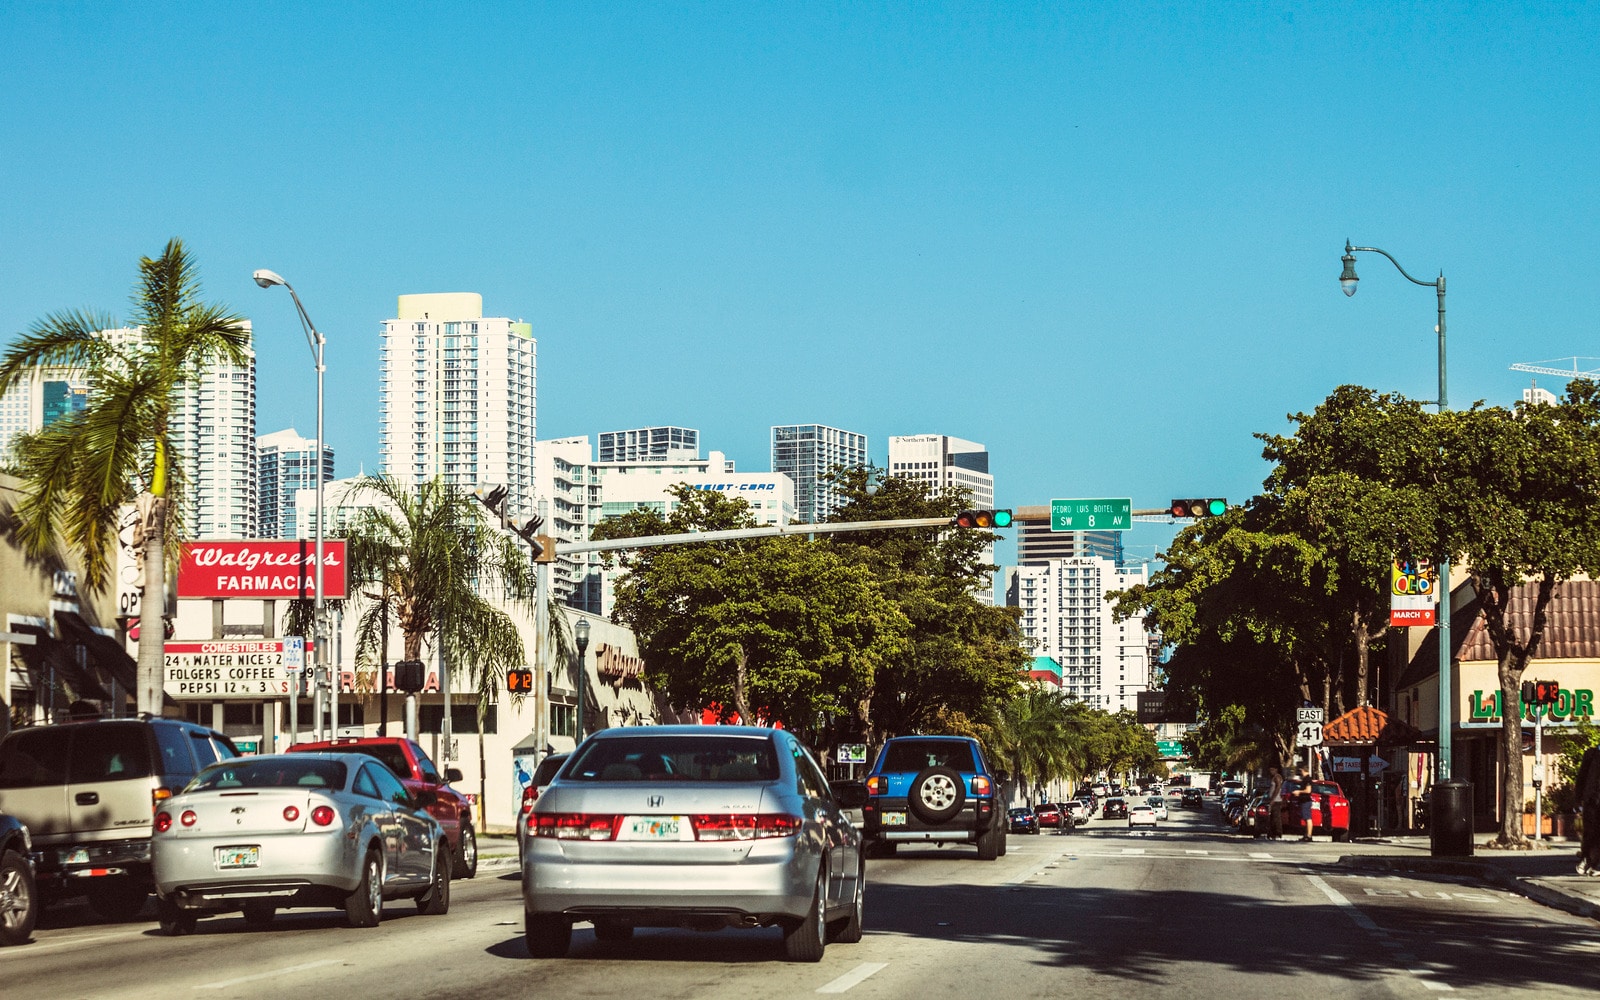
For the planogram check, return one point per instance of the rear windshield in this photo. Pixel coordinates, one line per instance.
(270, 772)
(914, 755)
(675, 758)
(547, 768)
(392, 756)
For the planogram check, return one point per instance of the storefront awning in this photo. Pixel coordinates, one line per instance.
(106, 655)
(52, 663)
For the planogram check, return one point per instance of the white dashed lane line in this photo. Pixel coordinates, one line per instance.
(1405, 959)
(852, 978)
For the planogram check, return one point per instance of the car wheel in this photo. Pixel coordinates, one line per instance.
(1340, 836)
(848, 930)
(806, 940)
(19, 899)
(259, 914)
(466, 864)
(117, 898)
(1004, 836)
(988, 845)
(173, 920)
(546, 934)
(612, 931)
(937, 794)
(364, 906)
(436, 901)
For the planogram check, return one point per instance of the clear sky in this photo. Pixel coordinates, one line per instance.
(1103, 239)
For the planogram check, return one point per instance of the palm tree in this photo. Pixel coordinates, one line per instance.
(1039, 734)
(82, 470)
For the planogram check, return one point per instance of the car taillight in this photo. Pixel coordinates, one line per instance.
(188, 817)
(573, 826)
(877, 785)
(530, 795)
(163, 822)
(321, 815)
(159, 796)
(981, 785)
(745, 826)
(291, 813)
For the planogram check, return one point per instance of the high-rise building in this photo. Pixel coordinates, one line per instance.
(1538, 396)
(285, 464)
(33, 403)
(213, 427)
(1036, 544)
(458, 396)
(650, 444)
(1104, 663)
(943, 463)
(808, 452)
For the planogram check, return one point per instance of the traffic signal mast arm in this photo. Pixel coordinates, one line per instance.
(734, 534)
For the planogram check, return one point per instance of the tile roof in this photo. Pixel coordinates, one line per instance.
(1572, 623)
(1368, 726)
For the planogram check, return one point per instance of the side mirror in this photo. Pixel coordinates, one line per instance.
(849, 794)
(452, 775)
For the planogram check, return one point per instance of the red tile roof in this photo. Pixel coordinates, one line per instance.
(1368, 726)
(1572, 623)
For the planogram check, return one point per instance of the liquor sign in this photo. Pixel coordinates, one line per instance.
(263, 569)
(1413, 593)
(226, 668)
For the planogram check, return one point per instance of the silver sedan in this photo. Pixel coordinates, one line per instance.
(309, 829)
(693, 826)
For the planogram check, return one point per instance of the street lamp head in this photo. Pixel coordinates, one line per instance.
(581, 633)
(1348, 279)
(266, 278)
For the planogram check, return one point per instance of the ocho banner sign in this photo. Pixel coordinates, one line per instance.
(1413, 593)
(263, 569)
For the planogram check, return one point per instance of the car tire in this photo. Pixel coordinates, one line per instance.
(1340, 836)
(364, 906)
(884, 848)
(1004, 836)
(19, 899)
(466, 857)
(118, 898)
(175, 921)
(436, 901)
(937, 794)
(806, 939)
(612, 931)
(259, 914)
(848, 930)
(988, 845)
(547, 935)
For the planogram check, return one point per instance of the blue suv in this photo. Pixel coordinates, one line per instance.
(935, 789)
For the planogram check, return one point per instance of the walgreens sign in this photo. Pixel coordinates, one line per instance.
(261, 569)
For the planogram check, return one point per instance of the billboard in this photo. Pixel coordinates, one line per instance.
(1413, 592)
(262, 569)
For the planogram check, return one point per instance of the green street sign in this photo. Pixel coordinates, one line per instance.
(1091, 515)
(1171, 749)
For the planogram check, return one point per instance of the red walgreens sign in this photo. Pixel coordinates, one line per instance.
(261, 569)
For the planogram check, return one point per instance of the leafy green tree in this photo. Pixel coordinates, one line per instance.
(1037, 734)
(84, 468)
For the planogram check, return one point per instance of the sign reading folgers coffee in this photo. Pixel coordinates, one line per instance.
(261, 570)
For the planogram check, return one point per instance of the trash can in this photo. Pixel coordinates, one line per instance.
(1450, 826)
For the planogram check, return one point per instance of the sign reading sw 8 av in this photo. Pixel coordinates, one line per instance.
(263, 569)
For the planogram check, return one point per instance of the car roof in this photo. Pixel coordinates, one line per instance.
(632, 732)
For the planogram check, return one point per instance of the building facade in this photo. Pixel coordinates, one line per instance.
(1037, 544)
(650, 444)
(214, 430)
(808, 452)
(33, 403)
(286, 463)
(943, 463)
(1104, 663)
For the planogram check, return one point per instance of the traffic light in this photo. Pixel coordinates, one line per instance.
(408, 676)
(1199, 507)
(1540, 692)
(983, 519)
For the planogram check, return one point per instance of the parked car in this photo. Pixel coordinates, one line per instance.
(1158, 803)
(410, 763)
(264, 833)
(1330, 810)
(1255, 816)
(934, 789)
(87, 792)
(543, 774)
(19, 893)
(1192, 798)
(1141, 815)
(1116, 807)
(698, 826)
(1078, 810)
(1025, 820)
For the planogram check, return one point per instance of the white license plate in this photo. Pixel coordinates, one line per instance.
(894, 819)
(78, 857)
(655, 828)
(238, 857)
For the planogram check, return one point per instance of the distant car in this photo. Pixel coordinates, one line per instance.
(1079, 810)
(1116, 807)
(19, 894)
(260, 834)
(1025, 820)
(1159, 805)
(707, 827)
(1330, 810)
(1226, 787)
(1255, 817)
(935, 789)
(1193, 798)
(1141, 815)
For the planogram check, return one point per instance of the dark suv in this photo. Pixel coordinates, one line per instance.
(87, 792)
(935, 789)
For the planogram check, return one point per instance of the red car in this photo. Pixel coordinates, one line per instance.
(1050, 815)
(1330, 810)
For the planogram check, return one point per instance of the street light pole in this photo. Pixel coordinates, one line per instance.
(266, 279)
(1347, 281)
(580, 633)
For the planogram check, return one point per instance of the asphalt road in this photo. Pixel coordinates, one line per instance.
(1186, 911)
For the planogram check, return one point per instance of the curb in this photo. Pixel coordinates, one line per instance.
(1558, 899)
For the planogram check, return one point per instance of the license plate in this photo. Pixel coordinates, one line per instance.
(894, 819)
(78, 857)
(238, 857)
(655, 828)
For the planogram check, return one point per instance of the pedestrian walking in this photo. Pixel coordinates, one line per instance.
(1305, 798)
(1275, 802)
(1588, 788)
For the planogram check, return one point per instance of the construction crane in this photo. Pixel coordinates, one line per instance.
(1544, 368)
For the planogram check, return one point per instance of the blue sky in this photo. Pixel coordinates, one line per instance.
(1103, 239)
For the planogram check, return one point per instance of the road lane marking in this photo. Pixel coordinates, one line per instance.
(1201, 853)
(1133, 850)
(1367, 924)
(1260, 855)
(224, 984)
(1047, 863)
(853, 977)
(38, 946)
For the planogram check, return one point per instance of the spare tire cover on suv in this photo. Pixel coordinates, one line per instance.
(937, 794)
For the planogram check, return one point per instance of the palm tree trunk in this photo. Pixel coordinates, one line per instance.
(152, 610)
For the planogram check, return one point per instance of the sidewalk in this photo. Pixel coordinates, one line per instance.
(1548, 875)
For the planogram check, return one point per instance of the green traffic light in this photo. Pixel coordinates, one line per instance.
(1002, 519)
(1216, 508)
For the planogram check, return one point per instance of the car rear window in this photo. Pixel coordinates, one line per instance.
(915, 755)
(390, 754)
(547, 768)
(111, 753)
(270, 772)
(675, 758)
(35, 758)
